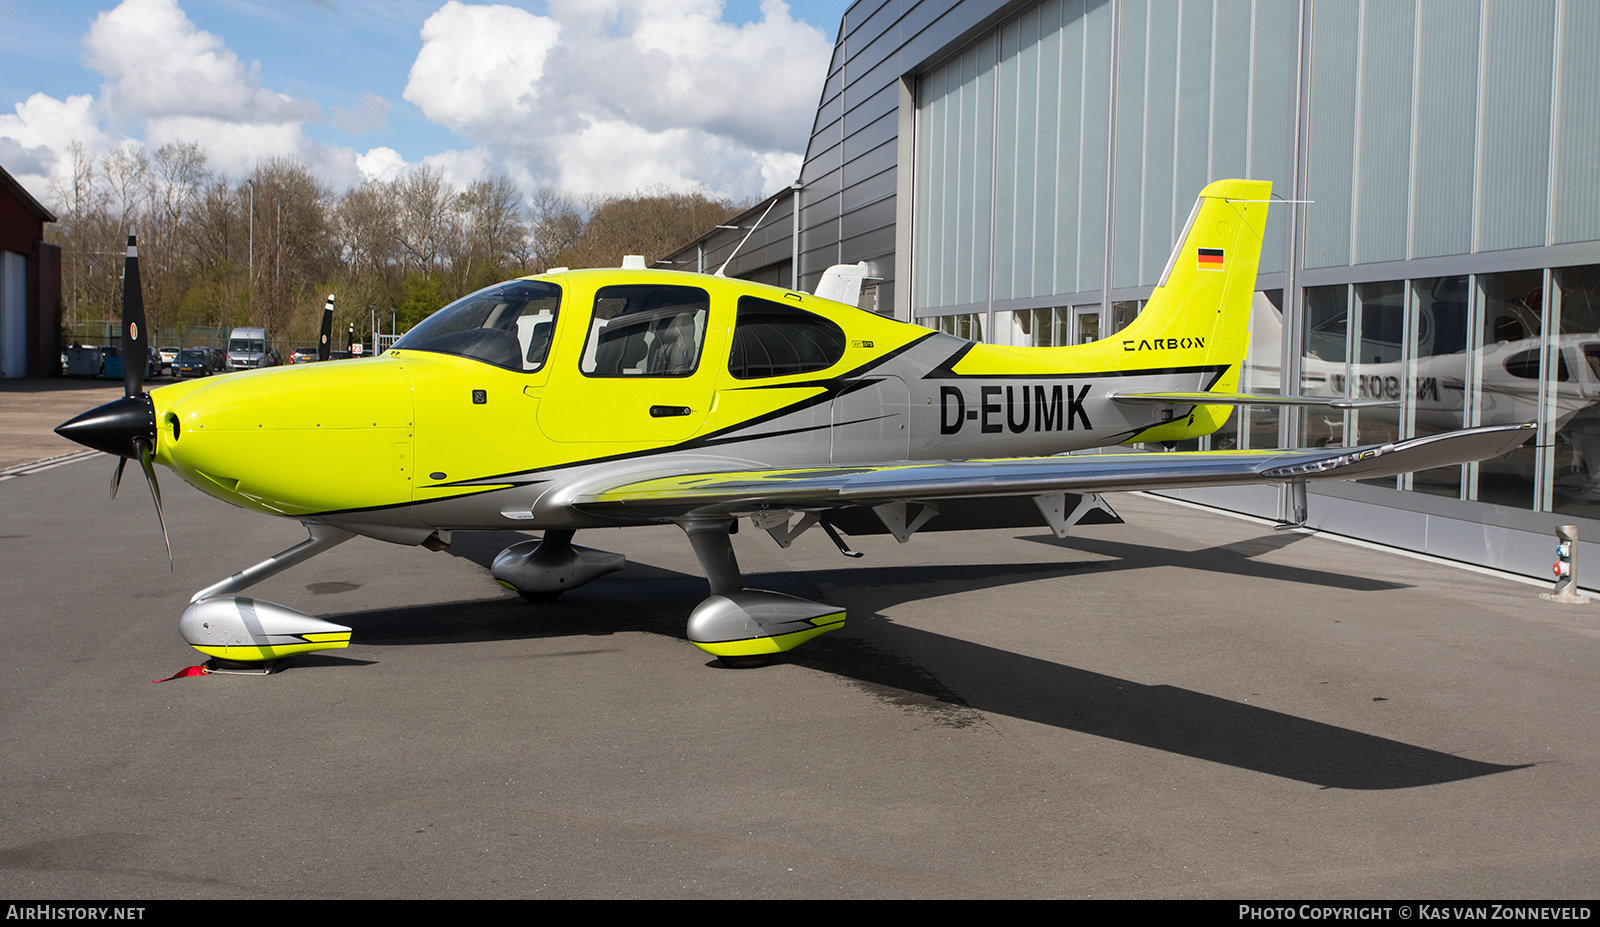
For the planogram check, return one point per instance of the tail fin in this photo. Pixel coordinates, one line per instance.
(1205, 292)
(1199, 314)
(1196, 321)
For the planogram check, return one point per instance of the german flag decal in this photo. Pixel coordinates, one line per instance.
(1210, 258)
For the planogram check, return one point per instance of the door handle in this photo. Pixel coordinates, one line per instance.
(668, 411)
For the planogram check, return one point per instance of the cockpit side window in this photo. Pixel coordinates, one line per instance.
(774, 340)
(646, 330)
(508, 325)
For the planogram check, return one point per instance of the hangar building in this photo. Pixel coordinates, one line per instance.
(1018, 172)
(30, 285)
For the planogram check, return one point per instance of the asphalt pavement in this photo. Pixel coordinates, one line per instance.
(1185, 706)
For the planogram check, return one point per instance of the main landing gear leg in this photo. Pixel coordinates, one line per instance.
(541, 570)
(252, 635)
(746, 627)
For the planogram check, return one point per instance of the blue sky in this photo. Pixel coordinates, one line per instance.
(592, 96)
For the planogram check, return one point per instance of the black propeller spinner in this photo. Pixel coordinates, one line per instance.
(126, 427)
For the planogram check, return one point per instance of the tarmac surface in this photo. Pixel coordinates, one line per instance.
(1185, 706)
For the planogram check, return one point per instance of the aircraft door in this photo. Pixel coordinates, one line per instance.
(642, 376)
(870, 423)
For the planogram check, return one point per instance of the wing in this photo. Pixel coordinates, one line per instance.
(697, 488)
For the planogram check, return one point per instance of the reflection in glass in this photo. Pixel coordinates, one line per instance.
(1088, 324)
(1322, 363)
(967, 325)
(1574, 460)
(1123, 312)
(1505, 384)
(1437, 374)
(1375, 362)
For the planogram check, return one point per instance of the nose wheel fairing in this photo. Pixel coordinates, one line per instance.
(541, 570)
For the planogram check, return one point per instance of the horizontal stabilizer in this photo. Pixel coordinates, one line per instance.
(1245, 399)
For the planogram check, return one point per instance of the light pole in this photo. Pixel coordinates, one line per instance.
(252, 282)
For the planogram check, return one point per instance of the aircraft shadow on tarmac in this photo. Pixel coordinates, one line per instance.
(872, 650)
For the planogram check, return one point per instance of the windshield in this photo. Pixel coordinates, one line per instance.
(508, 325)
(247, 345)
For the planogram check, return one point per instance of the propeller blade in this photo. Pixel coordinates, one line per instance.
(116, 476)
(324, 347)
(147, 452)
(135, 349)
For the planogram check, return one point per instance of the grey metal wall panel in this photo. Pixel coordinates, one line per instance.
(1330, 160)
(1274, 94)
(814, 211)
(872, 137)
(1230, 96)
(1160, 127)
(873, 192)
(875, 216)
(871, 162)
(1383, 148)
(818, 237)
(1192, 140)
(1097, 32)
(1577, 149)
(1514, 138)
(873, 244)
(884, 101)
(867, 76)
(1128, 188)
(868, 19)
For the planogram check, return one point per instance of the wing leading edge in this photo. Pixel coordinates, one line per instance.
(696, 489)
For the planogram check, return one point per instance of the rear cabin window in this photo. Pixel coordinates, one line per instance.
(774, 340)
(646, 330)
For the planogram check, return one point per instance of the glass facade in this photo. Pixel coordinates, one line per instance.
(1441, 258)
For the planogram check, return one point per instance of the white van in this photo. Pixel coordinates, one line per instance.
(246, 348)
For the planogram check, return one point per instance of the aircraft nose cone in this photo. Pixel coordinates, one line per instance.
(113, 426)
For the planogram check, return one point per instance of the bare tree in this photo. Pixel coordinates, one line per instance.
(294, 250)
(427, 217)
(493, 234)
(556, 227)
(178, 179)
(79, 229)
(652, 223)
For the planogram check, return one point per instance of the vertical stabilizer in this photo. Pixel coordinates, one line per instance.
(842, 283)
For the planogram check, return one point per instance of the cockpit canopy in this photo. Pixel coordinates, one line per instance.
(508, 325)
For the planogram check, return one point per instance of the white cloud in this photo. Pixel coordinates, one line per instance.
(598, 96)
(380, 163)
(480, 64)
(158, 63)
(615, 95)
(45, 128)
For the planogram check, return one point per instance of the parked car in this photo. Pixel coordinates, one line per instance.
(168, 356)
(194, 362)
(303, 356)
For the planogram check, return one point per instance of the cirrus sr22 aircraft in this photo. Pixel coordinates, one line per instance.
(602, 398)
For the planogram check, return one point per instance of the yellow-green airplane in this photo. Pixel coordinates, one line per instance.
(601, 398)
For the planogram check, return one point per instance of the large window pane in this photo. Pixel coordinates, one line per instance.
(1576, 455)
(1323, 350)
(1375, 365)
(1440, 326)
(1506, 386)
